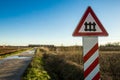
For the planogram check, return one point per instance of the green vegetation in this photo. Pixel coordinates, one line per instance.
(113, 44)
(35, 70)
(66, 63)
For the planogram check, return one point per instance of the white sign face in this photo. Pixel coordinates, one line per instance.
(90, 25)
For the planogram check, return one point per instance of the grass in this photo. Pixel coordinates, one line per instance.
(61, 69)
(35, 71)
(110, 66)
(67, 64)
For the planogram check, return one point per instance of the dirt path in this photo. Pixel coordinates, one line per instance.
(12, 68)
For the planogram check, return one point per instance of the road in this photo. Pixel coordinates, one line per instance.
(12, 67)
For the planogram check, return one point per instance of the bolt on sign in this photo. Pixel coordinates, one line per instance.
(90, 28)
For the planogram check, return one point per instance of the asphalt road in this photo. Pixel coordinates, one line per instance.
(12, 68)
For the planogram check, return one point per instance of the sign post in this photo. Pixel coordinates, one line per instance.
(90, 28)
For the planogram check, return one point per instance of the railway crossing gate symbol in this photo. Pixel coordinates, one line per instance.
(90, 28)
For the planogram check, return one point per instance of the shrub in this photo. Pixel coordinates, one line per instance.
(61, 69)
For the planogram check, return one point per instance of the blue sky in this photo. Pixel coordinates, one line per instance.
(24, 22)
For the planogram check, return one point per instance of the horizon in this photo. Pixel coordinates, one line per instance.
(116, 43)
(27, 22)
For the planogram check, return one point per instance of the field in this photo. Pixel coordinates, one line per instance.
(66, 63)
(9, 50)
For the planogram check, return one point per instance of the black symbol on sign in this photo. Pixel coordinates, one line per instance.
(89, 26)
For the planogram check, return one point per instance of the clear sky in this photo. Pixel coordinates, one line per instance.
(24, 22)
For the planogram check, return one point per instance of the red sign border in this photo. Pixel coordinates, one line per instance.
(76, 31)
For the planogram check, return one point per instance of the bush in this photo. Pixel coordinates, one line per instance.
(61, 69)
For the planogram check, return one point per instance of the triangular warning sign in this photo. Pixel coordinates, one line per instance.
(90, 25)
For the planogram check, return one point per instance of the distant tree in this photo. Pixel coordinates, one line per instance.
(113, 44)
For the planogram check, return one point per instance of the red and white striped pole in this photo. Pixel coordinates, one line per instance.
(90, 28)
(91, 58)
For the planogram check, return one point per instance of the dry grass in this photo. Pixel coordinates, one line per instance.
(68, 64)
(110, 66)
(10, 49)
(61, 69)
